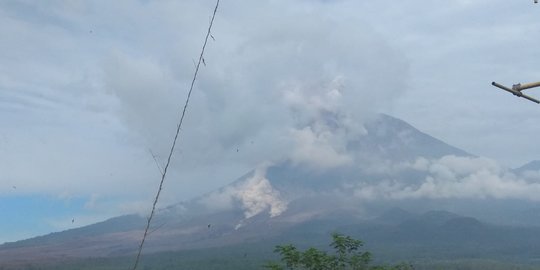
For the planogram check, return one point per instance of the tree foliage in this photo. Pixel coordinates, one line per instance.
(347, 255)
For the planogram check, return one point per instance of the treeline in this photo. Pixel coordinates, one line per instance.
(343, 252)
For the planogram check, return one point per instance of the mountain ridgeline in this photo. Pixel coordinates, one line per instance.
(382, 197)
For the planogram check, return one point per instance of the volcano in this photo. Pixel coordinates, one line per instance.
(291, 200)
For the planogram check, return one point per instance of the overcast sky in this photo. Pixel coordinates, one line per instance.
(90, 90)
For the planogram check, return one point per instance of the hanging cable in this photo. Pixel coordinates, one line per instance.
(178, 127)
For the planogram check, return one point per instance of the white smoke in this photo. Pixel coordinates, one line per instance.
(296, 85)
(457, 177)
(322, 125)
(255, 195)
(318, 148)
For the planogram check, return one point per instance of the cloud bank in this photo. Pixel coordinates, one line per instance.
(458, 178)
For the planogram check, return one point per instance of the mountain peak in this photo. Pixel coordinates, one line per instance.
(394, 139)
(439, 216)
(531, 166)
(394, 215)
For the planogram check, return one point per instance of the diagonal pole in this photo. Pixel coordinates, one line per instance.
(178, 127)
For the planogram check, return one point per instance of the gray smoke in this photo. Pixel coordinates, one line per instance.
(297, 84)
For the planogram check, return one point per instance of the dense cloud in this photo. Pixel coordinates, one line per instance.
(296, 85)
(458, 178)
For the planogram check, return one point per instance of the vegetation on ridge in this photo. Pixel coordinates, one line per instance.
(347, 256)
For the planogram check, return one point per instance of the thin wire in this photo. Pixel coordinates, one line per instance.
(175, 139)
(156, 161)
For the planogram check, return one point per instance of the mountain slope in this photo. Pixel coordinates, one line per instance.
(531, 166)
(391, 138)
(284, 199)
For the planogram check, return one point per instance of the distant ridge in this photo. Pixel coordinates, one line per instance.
(395, 139)
(394, 216)
(531, 166)
(287, 201)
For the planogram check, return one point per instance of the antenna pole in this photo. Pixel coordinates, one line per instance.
(517, 88)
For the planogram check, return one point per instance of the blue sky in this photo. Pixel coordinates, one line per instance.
(24, 215)
(90, 90)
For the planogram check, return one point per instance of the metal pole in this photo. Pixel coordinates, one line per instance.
(521, 87)
(515, 92)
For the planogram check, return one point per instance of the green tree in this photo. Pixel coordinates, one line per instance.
(347, 256)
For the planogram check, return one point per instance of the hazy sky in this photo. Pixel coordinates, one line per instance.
(90, 90)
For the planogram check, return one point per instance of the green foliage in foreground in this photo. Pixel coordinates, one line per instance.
(347, 256)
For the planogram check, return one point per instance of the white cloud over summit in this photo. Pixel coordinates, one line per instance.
(322, 125)
(295, 85)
